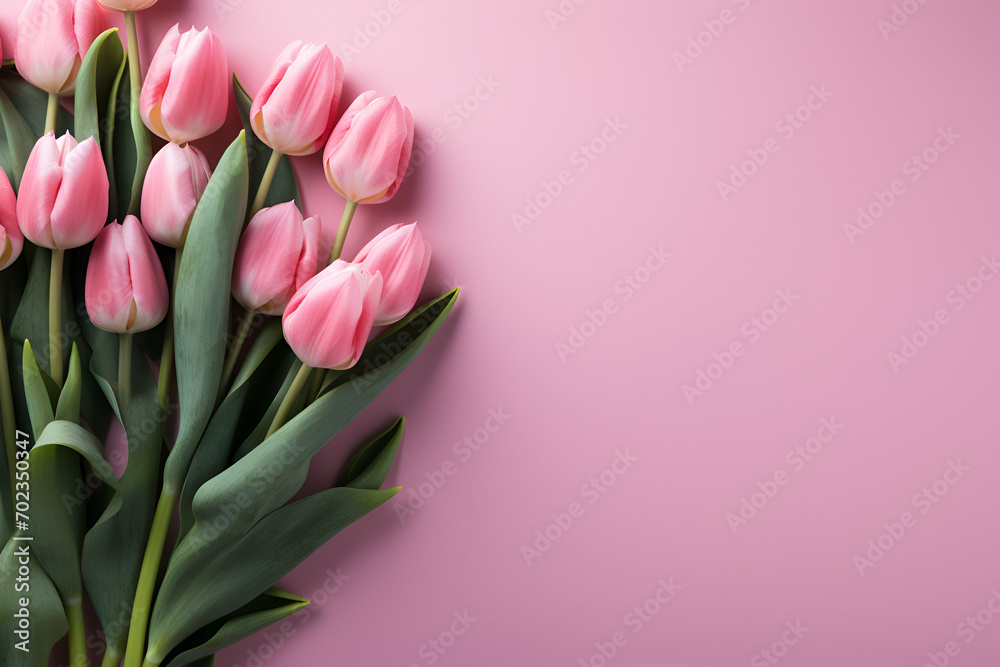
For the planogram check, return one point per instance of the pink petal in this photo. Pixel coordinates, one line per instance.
(39, 187)
(174, 183)
(196, 99)
(89, 23)
(366, 161)
(274, 76)
(298, 114)
(267, 258)
(108, 291)
(46, 49)
(149, 285)
(156, 81)
(308, 263)
(81, 206)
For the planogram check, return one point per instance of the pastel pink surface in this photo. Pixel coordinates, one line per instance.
(504, 105)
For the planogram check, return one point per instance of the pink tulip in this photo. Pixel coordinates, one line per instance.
(126, 5)
(11, 239)
(52, 38)
(126, 291)
(294, 111)
(328, 320)
(186, 92)
(369, 150)
(176, 179)
(277, 255)
(402, 256)
(63, 200)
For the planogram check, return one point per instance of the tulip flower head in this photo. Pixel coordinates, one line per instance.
(402, 256)
(52, 38)
(63, 200)
(176, 179)
(186, 92)
(126, 291)
(369, 150)
(11, 239)
(277, 255)
(126, 5)
(294, 111)
(328, 320)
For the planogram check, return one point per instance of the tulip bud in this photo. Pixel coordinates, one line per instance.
(402, 256)
(52, 38)
(294, 111)
(369, 150)
(176, 179)
(277, 255)
(186, 92)
(11, 240)
(126, 5)
(63, 201)
(126, 291)
(328, 320)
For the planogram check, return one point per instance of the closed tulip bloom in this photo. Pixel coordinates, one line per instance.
(370, 149)
(186, 92)
(63, 200)
(52, 38)
(328, 320)
(402, 256)
(11, 240)
(277, 255)
(294, 111)
(126, 5)
(126, 291)
(176, 179)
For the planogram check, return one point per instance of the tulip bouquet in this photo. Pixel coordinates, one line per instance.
(265, 329)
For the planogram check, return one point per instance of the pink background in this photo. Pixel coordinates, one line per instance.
(683, 126)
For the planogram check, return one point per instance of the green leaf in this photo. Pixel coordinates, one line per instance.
(284, 187)
(15, 141)
(48, 619)
(94, 84)
(113, 549)
(31, 323)
(270, 607)
(267, 477)
(291, 368)
(38, 392)
(32, 103)
(130, 150)
(201, 304)
(207, 579)
(68, 404)
(215, 450)
(57, 515)
(370, 465)
(58, 497)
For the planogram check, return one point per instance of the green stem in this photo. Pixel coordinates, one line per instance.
(317, 385)
(124, 370)
(52, 113)
(345, 225)
(7, 410)
(77, 635)
(134, 66)
(136, 647)
(135, 92)
(242, 329)
(167, 355)
(265, 184)
(288, 403)
(111, 658)
(55, 316)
